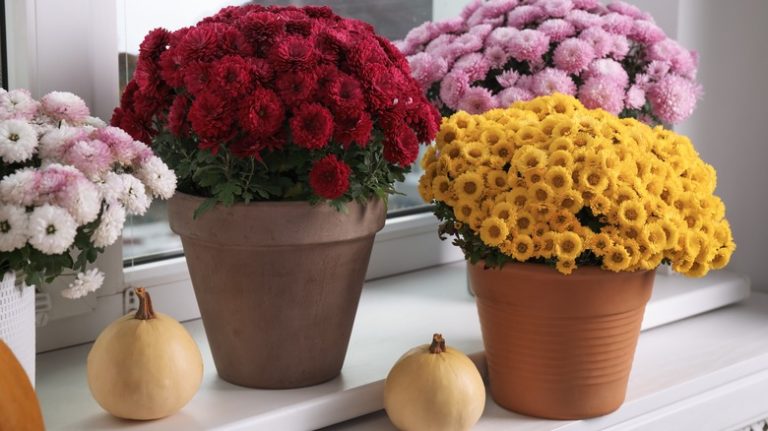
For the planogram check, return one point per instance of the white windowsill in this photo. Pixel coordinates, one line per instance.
(399, 312)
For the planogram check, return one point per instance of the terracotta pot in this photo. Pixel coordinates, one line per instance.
(277, 284)
(559, 347)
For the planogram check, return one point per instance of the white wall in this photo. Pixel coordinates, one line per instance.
(730, 124)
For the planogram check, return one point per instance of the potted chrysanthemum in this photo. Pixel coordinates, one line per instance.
(563, 213)
(611, 56)
(288, 128)
(67, 182)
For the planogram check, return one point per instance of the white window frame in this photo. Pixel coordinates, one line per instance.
(72, 46)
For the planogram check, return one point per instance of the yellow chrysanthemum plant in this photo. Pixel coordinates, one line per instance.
(549, 181)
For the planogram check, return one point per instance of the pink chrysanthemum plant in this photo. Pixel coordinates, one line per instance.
(498, 52)
(67, 183)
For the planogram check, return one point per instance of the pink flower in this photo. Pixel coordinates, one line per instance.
(529, 45)
(685, 63)
(582, 19)
(510, 95)
(573, 55)
(608, 70)
(467, 43)
(496, 56)
(92, 157)
(521, 16)
(422, 34)
(586, 4)
(481, 31)
(665, 50)
(619, 47)
(617, 24)
(625, 8)
(502, 36)
(473, 65)
(635, 97)
(552, 80)
(555, 8)
(491, 9)
(476, 100)
(601, 93)
(123, 148)
(470, 9)
(557, 29)
(440, 42)
(599, 39)
(426, 68)
(673, 98)
(62, 105)
(508, 78)
(657, 69)
(17, 105)
(646, 32)
(452, 88)
(450, 25)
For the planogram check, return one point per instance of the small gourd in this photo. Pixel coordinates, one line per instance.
(432, 387)
(19, 408)
(144, 365)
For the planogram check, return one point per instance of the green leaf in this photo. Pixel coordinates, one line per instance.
(205, 206)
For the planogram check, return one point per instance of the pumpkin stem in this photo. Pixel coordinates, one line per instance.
(145, 311)
(438, 344)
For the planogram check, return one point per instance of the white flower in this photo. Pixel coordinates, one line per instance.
(110, 226)
(85, 283)
(51, 229)
(17, 104)
(94, 122)
(13, 227)
(54, 143)
(134, 195)
(18, 141)
(160, 180)
(19, 187)
(111, 187)
(81, 198)
(65, 106)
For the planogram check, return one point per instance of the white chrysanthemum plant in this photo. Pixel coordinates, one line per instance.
(68, 181)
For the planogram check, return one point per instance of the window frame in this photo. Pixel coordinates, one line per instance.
(83, 59)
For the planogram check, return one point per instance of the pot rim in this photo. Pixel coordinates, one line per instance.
(546, 270)
(294, 204)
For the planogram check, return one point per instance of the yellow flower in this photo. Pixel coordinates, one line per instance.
(492, 135)
(505, 211)
(529, 157)
(698, 270)
(425, 189)
(465, 210)
(562, 143)
(600, 205)
(564, 104)
(624, 193)
(493, 231)
(496, 179)
(447, 134)
(463, 121)
(469, 185)
(570, 200)
(671, 233)
(568, 245)
(582, 139)
(548, 244)
(523, 222)
(632, 213)
(565, 128)
(565, 266)
(654, 234)
(522, 247)
(429, 157)
(452, 150)
(529, 135)
(503, 149)
(594, 179)
(599, 243)
(475, 153)
(616, 258)
(722, 257)
(441, 188)
(542, 210)
(561, 158)
(518, 197)
(560, 220)
(540, 192)
(457, 167)
(558, 179)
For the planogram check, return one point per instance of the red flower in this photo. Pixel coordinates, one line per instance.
(261, 70)
(209, 41)
(211, 118)
(170, 69)
(311, 126)
(294, 53)
(177, 116)
(329, 177)
(401, 147)
(233, 75)
(261, 29)
(346, 95)
(154, 43)
(295, 88)
(263, 112)
(197, 77)
(355, 129)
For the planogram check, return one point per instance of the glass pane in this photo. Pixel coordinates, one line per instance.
(150, 234)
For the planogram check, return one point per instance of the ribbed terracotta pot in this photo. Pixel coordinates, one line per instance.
(559, 347)
(277, 284)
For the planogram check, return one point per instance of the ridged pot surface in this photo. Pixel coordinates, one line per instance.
(277, 284)
(557, 346)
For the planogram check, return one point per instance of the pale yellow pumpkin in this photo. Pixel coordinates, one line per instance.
(144, 365)
(432, 387)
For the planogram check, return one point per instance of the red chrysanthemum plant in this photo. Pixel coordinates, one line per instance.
(278, 103)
